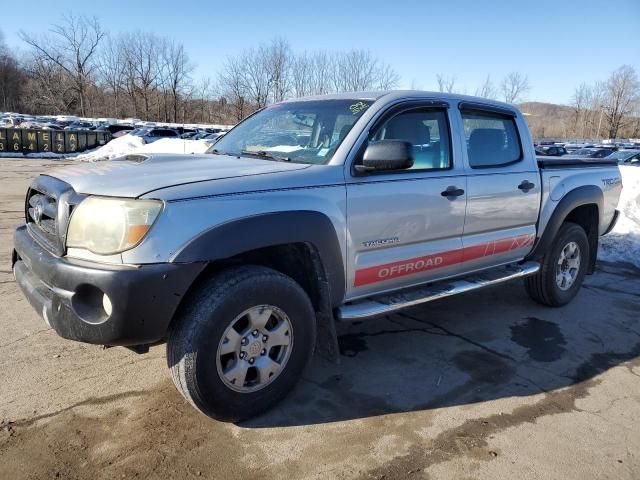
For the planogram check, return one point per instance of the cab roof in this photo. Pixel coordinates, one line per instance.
(400, 94)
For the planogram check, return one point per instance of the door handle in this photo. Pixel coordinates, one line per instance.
(526, 185)
(452, 192)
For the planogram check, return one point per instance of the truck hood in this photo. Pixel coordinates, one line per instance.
(133, 176)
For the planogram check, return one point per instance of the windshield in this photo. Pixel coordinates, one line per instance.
(304, 132)
(621, 155)
(583, 151)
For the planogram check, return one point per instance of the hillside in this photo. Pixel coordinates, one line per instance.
(549, 120)
(545, 109)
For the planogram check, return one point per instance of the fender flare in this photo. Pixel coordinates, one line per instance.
(267, 230)
(585, 195)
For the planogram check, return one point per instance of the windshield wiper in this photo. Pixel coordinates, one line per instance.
(215, 151)
(265, 155)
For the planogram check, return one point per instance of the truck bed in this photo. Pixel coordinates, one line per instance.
(567, 161)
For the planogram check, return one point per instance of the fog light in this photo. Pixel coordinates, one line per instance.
(106, 304)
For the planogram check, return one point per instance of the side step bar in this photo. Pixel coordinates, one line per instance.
(391, 302)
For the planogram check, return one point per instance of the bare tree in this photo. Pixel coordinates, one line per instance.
(12, 79)
(387, 77)
(112, 68)
(446, 83)
(50, 89)
(259, 75)
(595, 113)
(301, 74)
(322, 72)
(487, 89)
(203, 92)
(355, 71)
(143, 65)
(312, 73)
(514, 86)
(358, 70)
(73, 47)
(177, 72)
(232, 82)
(278, 59)
(256, 77)
(622, 94)
(580, 103)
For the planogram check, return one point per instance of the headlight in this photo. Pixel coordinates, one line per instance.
(111, 225)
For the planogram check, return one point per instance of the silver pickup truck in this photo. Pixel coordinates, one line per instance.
(308, 213)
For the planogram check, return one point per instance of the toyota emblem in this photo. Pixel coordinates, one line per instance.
(37, 212)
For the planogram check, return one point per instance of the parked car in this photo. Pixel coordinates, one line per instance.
(592, 152)
(67, 119)
(119, 128)
(80, 125)
(51, 126)
(200, 135)
(553, 151)
(189, 134)
(122, 133)
(153, 134)
(244, 259)
(572, 147)
(542, 143)
(211, 138)
(607, 146)
(626, 157)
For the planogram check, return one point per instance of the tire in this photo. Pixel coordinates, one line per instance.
(546, 287)
(205, 355)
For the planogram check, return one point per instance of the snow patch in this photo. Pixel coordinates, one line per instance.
(115, 148)
(130, 144)
(622, 244)
(175, 145)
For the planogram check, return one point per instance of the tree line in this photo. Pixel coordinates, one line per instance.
(608, 108)
(79, 68)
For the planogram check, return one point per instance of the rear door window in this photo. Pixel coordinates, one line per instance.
(492, 139)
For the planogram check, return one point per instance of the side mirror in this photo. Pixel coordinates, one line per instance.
(386, 155)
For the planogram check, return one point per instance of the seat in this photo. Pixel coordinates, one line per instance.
(486, 147)
(411, 128)
(408, 127)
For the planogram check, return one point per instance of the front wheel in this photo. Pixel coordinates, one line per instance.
(563, 268)
(241, 342)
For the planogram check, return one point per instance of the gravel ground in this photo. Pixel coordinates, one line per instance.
(486, 385)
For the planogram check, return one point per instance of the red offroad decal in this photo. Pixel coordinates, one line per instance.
(388, 271)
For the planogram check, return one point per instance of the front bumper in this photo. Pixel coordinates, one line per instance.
(69, 293)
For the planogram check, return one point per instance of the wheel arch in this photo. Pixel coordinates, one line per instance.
(300, 244)
(583, 206)
(252, 234)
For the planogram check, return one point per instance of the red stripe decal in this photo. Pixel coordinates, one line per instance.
(425, 263)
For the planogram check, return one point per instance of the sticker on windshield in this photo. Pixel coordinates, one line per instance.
(358, 107)
(323, 152)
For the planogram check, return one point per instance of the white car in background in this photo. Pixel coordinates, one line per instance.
(626, 157)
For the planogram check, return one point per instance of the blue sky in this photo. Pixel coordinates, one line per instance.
(558, 44)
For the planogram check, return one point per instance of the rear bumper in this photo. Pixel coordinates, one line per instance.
(614, 220)
(69, 294)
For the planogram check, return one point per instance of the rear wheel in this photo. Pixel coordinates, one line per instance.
(242, 342)
(563, 268)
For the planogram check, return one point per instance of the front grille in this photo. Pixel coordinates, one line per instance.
(43, 211)
(47, 209)
(42, 215)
